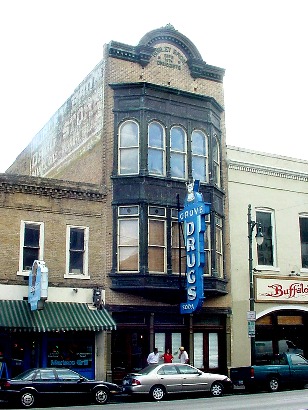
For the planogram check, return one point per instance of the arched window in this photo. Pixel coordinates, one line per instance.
(129, 148)
(216, 161)
(156, 149)
(199, 156)
(178, 153)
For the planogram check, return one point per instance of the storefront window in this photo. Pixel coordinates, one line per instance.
(66, 353)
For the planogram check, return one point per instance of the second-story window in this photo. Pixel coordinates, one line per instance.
(77, 239)
(178, 153)
(129, 148)
(177, 240)
(157, 239)
(266, 254)
(199, 155)
(31, 244)
(303, 226)
(128, 238)
(156, 151)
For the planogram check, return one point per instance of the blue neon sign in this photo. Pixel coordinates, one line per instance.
(193, 217)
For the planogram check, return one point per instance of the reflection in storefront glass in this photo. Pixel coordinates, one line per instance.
(65, 353)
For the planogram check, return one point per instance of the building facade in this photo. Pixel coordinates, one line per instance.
(146, 121)
(61, 224)
(276, 189)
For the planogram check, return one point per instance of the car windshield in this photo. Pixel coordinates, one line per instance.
(27, 375)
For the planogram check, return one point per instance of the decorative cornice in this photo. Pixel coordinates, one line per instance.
(142, 53)
(269, 171)
(12, 184)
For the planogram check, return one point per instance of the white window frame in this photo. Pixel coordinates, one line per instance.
(21, 245)
(273, 224)
(216, 162)
(121, 149)
(85, 274)
(302, 270)
(153, 217)
(182, 153)
(204, 155)
(160, 149)
(122, 216)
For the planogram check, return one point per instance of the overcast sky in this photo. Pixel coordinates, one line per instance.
(49, 46)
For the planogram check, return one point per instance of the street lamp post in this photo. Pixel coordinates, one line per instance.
(259, 239)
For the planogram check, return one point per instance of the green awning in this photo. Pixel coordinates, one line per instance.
(16, 315)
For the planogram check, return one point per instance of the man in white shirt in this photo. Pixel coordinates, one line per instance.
(183, 355)
(153, 357)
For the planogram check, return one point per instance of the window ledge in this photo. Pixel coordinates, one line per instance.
(263, 268)
(72, 276)
(23, 273)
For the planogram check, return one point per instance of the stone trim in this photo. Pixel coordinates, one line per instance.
(49, 187)
(269, 171)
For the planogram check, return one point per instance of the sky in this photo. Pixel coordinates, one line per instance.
(49, 46)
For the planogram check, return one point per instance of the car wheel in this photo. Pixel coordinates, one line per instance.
(27, 399)
(217, 389)
(273, 384)
(157, 393)
(101, 396)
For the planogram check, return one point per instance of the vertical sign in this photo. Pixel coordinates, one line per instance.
(38, 285)
(193, 217)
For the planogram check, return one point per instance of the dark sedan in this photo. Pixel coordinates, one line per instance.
(47, 383)
(157, 380)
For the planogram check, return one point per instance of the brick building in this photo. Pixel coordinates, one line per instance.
(146, 120)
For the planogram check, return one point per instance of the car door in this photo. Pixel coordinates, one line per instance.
(71, 382)
(192, 379)
(299, 369)
(169, 377)
(45, 382)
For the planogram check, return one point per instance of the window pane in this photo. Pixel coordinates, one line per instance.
(198, 350)
(129, 161)
(156, 162)
(213, 350)
(156, 135)
(156, 232)
(76, 262)
(303, 223)
(177, 165)
(128, 258)
(156, 259)
(32, 235)
(29, 256)
(129, 135)
(198, 143)
(128, 232)
(198, 168)
(177, 139)
(77, 239)
(160, 342)
(175, 250)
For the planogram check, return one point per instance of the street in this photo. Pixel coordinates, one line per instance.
(282, 400)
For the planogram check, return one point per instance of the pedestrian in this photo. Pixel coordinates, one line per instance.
(183, 355)
(167, 356)
(153, 357)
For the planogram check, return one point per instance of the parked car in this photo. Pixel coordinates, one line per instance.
(157, 380)
(288, 369)
(53, 383)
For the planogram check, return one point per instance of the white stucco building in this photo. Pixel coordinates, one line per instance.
(277, 189)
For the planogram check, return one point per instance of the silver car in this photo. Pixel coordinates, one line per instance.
(157, 380)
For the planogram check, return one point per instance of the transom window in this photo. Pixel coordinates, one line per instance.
(129, 148)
